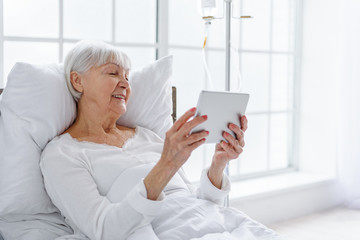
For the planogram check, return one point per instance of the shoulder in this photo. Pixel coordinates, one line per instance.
(57, 143)
(60, 150)
(54, 145)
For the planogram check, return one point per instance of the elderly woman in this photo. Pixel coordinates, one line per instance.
(115, 182)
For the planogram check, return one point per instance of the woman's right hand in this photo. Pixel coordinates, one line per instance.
(179, 143)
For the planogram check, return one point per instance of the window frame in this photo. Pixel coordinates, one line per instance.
(162, 46)
(293, 151)
(61, 40)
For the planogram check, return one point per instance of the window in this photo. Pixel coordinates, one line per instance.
(44, 30)
(266, 56)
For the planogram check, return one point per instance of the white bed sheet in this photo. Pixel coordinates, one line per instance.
(53, 227)
(39, 227)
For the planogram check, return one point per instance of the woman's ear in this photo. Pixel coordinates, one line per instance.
(75, 79)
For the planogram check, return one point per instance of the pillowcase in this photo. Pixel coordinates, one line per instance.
(34, 109)
(36, 106)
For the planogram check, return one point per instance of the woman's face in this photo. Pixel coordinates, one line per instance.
(107, 87)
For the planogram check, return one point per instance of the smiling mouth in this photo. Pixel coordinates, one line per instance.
(122, 97)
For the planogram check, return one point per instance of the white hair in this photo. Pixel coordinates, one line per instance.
(86, 54)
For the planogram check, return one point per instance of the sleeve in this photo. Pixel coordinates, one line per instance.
(206, 190)
(74, 191)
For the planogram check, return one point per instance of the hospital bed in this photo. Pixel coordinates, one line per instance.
(36, 106)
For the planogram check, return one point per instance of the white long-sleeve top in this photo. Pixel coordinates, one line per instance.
(79, 177)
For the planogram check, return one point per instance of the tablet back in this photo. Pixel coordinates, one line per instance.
(221, 108)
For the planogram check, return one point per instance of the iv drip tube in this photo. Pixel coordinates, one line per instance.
(207, 72)
(236, 63)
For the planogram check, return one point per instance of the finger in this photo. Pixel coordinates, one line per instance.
(229, 150)
(239, 133)
(234, 143)
(244, 123)
(218, 146)
(241, 139)
(183, 119)
(195, 145)
(196, 137)
(236, 129)
(188, 126)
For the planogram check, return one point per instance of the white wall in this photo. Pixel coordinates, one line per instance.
(292, 203)
(319, 75)
(330, 110)
(349, 101)
(330, 114)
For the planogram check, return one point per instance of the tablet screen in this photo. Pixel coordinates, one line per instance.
(221, 108)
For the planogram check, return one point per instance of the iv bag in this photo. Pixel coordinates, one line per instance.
(208, 8)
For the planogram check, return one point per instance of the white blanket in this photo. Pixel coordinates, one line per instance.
(184, 217)
(39, 227)
(182, 214)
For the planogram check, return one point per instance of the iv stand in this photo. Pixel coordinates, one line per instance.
(227, 44)
(228, 16)
(227, 67)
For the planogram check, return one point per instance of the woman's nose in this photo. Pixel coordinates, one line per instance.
(123, 82)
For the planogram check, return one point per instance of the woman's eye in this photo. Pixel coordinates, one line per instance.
(113, 74)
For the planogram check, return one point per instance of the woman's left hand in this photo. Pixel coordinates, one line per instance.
(226, 151)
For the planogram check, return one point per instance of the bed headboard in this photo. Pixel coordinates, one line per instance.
(174, 103)
(173, 99)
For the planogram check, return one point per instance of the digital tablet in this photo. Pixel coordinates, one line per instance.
(221, 108)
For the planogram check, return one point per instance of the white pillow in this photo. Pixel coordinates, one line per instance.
(36, 106)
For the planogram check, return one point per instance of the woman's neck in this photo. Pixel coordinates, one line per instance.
(90, 122)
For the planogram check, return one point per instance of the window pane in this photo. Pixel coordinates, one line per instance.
(188, 77)
(194, 164)
(254, 157)
(136, 21)
(140, 57)
(283, 25)
(216, 33)
(255, 80)
(279, 140)
(31, 52)
(209, 150)
(66, 48)
(280, 83)
(256, 31)
(234, 166)
(216, 65)
(26, 18)
(236, 76)
(186, 26)
(87, 19)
